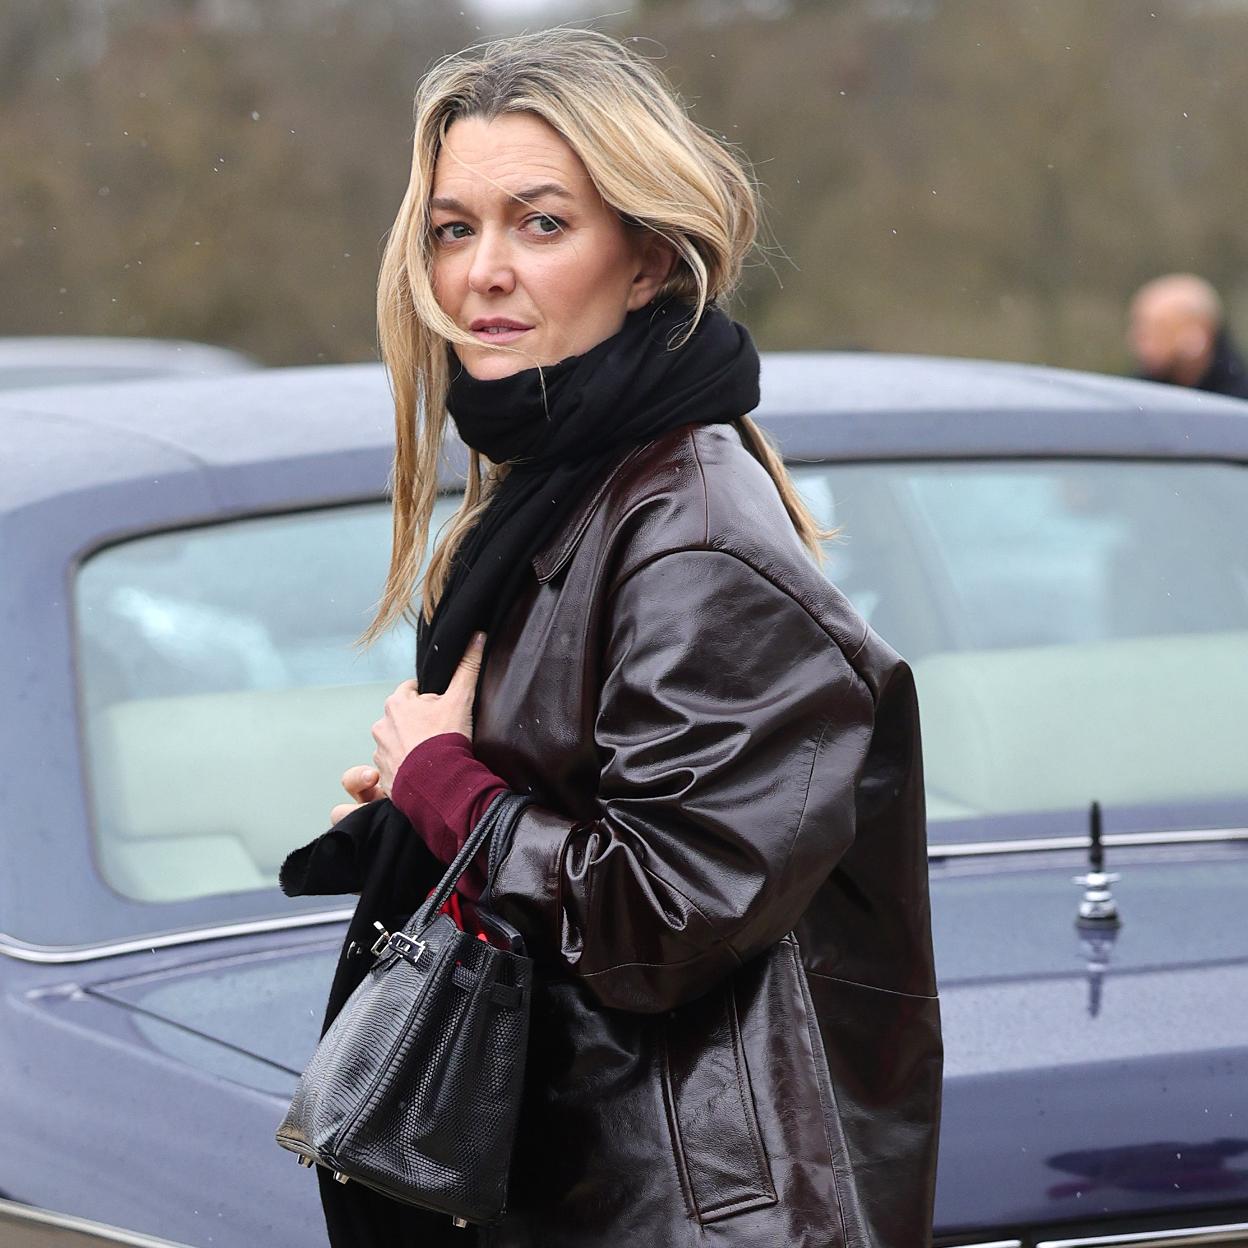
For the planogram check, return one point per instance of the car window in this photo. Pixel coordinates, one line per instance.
(222, 696)
(1078, 630)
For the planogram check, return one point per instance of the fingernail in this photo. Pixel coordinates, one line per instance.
(478, 640)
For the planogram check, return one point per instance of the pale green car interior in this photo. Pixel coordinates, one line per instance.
(1078, 630)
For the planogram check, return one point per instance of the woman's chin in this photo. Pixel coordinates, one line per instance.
(493, 363)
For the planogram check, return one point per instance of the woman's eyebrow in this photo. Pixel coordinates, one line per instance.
(448, 204)
(541, 191)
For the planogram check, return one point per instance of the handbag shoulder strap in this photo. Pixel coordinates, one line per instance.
(500, 814)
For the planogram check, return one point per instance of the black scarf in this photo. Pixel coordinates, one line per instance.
(629, 389)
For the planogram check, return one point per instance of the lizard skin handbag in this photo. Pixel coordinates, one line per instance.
(414, 1090)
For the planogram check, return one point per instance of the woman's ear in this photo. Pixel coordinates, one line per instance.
(656, 258)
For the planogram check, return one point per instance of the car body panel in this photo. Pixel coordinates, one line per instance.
(135, 1122)
(268, 1004)
(1093, 1072)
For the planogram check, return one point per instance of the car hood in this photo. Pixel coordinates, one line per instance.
(261, 1004)
(1091, 1073)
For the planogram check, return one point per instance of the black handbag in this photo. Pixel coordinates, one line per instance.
(414, 1090)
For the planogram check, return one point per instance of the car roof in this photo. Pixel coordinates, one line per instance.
(327, 425)
(174, 355)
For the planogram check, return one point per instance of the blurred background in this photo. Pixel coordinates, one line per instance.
(970, 177)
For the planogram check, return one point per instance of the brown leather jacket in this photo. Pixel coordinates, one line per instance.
(736, 1037)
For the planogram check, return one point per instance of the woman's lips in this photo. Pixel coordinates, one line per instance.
(497, 335)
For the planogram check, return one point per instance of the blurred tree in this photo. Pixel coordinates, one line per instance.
(944, 176)
(224, 180)
(976, 179)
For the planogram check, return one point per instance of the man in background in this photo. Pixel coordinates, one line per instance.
(1178, 334)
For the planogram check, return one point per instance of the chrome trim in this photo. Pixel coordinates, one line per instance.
(996, 1243)
(1044, 843)
(1188, 1237)
(11, 1212)
(11, 947)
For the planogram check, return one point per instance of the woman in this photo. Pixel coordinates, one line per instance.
(736, 1034)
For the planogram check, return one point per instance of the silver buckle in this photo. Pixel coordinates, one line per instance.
(403, 945)
(406, 947)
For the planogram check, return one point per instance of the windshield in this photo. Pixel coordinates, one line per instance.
(1078, 631)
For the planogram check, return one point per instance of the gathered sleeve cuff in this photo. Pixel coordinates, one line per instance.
(443, 789)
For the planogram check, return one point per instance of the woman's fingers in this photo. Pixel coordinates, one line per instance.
(464, 681)
(363, 785)
(410, 718)
(361, 782)
(461, 693)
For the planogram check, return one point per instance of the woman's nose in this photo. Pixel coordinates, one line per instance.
(491, 269)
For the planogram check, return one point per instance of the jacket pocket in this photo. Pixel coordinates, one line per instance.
(710, 1110)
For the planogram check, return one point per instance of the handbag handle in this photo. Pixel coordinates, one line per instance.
(503, 810)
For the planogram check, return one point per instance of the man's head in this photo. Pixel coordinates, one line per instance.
(1174, 322)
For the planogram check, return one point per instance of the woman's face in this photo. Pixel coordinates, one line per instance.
(526, 253)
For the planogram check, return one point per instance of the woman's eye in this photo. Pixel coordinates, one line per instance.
(546, 225)
(450, 231)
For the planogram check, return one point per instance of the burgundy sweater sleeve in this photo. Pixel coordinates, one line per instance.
(443, 789)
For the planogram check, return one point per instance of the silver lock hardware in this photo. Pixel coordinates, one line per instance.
(402, 944)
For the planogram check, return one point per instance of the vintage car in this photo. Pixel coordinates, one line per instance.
(1061, 557)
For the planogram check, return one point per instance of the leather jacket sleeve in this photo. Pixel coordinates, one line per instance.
(731, 730)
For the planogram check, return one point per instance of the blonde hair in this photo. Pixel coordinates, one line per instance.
(648, 160)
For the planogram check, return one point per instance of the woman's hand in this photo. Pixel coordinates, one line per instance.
(411, 717)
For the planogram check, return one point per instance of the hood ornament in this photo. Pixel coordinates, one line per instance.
(1098, 920)
(1098, 906)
